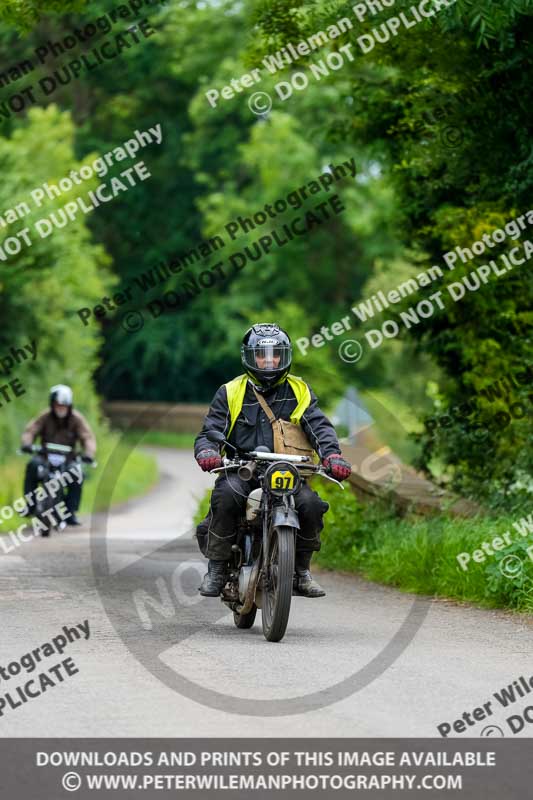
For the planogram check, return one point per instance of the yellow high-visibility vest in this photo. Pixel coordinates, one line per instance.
(236, 389)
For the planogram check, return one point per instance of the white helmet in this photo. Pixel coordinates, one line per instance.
(61, 394)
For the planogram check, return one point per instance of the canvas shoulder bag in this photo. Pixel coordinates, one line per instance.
(288, 437)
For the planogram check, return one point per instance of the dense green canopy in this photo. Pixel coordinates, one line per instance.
(438, 123)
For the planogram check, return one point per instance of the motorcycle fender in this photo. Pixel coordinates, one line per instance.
(285, 516)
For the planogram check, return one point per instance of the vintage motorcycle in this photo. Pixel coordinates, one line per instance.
(52, 463)
(261, 573)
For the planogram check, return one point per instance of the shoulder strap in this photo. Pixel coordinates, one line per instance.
(303, 399)
(264, 405)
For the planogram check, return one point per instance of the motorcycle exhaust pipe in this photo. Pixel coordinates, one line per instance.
(246, 472)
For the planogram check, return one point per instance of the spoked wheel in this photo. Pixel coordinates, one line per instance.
(245, 620)
(278, 576)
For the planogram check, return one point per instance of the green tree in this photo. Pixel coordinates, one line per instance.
(23, 15)
(403, 99)
(42, 285)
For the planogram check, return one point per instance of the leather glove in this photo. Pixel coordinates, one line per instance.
(208, 460)
(87, 459)
(337, 466)
(26, 448)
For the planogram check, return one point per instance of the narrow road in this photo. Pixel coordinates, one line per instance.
(364, 661)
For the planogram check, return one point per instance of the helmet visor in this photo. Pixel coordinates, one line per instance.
(267, 356)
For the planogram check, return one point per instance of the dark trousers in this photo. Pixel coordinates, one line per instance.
(31, 481)
(218, 531)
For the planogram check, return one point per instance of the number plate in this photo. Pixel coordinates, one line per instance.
(282, 479)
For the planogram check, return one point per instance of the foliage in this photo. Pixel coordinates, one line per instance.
(420, 554)
(23, 14)
(443, 108)
(419, 192)
(41, 287)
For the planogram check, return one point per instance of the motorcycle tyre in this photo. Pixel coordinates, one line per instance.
(275, 616)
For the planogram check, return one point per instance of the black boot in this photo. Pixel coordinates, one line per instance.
(305, 583)
(214, 579)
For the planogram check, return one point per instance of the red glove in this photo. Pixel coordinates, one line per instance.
(208, 459)
(337, 467)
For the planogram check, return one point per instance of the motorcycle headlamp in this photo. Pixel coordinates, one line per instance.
(282, 478)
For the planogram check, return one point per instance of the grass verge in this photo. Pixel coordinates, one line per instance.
(180, 441)
(203, 507)
(419, 554)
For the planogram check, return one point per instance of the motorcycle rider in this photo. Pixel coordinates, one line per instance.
(266, 355)
(60, 424)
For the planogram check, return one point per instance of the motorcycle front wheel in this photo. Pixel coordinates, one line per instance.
(278, 573)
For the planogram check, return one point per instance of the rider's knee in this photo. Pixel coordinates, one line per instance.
(227, 497)
(32, 466)
(313, 505)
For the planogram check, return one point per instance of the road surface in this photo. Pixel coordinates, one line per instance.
(156, 648)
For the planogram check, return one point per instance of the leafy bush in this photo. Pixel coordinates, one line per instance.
(419, 554)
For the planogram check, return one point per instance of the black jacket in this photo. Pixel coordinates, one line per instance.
(253, 428)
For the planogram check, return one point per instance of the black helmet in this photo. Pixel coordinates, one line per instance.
(268, 341)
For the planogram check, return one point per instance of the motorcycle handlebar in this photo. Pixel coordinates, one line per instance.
(240, 464)
(255, 454)
(64, 449)
(57, 448)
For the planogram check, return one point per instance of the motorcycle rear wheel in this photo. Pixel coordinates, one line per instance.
(277, 592)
